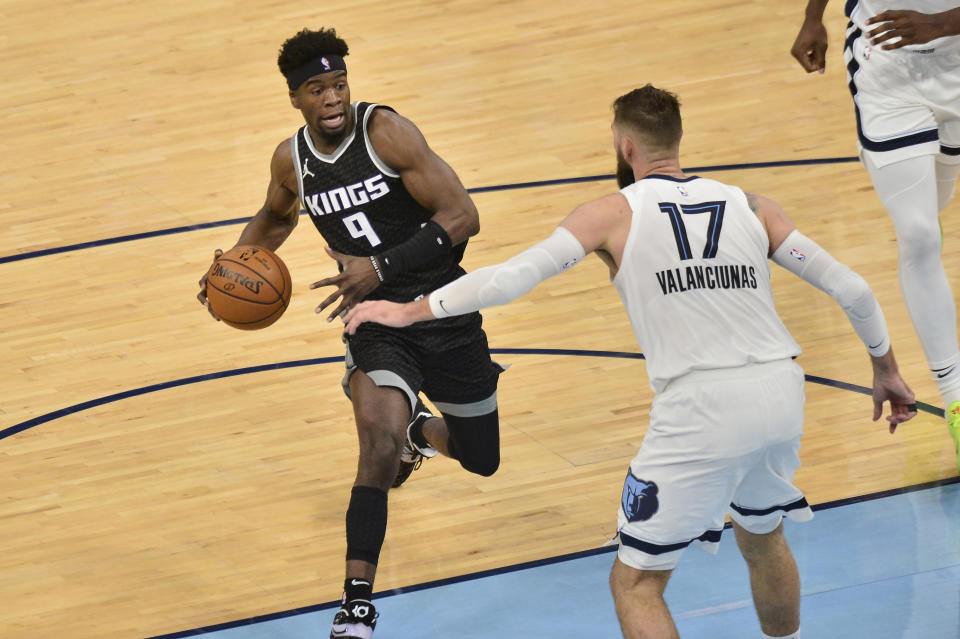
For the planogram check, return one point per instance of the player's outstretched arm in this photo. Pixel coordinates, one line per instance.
(487, 286)
(387, 313)
(805, 258)
(912, 27)
(810, 46)
(594, 226)
(275, 220)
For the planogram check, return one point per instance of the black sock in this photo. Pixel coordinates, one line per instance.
(357, 589)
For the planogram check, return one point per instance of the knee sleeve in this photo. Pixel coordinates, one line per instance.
(366, 523)
(909, 192)
(475, 442)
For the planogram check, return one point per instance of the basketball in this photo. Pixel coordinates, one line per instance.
(248, 287)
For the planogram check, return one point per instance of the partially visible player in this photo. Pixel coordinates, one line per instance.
(903, 69)
(688, 256)
(396, 219)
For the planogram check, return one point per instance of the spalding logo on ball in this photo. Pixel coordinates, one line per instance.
(249, 287)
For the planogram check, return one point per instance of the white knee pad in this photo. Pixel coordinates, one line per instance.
(909, 192)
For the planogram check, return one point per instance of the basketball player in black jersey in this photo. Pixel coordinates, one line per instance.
(396, 219)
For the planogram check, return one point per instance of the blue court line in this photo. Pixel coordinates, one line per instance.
(693, 169)
(107, 399)
(863, 390)
(119, 239)
(514, 568)
(480, 189)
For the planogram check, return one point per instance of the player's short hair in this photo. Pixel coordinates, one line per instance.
(651, 112)
(309, 45)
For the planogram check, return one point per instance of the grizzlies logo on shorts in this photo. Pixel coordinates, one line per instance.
(639, 499)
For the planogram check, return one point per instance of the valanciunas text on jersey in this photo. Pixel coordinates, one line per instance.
(722, 276)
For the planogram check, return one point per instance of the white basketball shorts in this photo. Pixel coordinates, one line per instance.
(724, 440)
(907, 102)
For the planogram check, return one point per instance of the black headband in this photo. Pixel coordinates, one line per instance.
(320, 64)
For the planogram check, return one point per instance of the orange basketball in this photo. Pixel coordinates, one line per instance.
(248, 287)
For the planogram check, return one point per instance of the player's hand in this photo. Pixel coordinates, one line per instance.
(379, 311)
(202, 295)
(810, 47)
(911, 27)
(903, 407)
(354, 282)
(888, 386)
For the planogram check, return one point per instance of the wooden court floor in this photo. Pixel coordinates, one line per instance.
(223, 498)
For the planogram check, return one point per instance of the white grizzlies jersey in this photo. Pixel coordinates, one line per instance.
(695, 279)
(859, 11)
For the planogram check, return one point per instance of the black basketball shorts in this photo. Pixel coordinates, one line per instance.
(447, 359)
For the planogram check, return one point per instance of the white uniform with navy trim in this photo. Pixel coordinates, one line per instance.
(859, 11)
(907, 100)
(695, 279)
(725, 425)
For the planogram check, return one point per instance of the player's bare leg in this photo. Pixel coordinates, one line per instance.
(436, 433)
(638, 597)
(774, 580)
(382, 414)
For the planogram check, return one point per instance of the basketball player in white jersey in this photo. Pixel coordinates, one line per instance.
(689, 258)
(903, 67)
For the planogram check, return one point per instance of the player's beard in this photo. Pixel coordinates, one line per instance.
(624, 172)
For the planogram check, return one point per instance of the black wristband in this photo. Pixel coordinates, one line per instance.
(427, 246)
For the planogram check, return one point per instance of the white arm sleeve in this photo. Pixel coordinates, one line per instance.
(807, 259)
(505, 282)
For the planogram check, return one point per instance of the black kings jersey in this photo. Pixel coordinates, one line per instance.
(361, 207)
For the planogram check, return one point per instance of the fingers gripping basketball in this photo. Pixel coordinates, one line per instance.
(248, 287)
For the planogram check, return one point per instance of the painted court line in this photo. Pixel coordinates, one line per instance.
(481, 189)
(100, 401)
